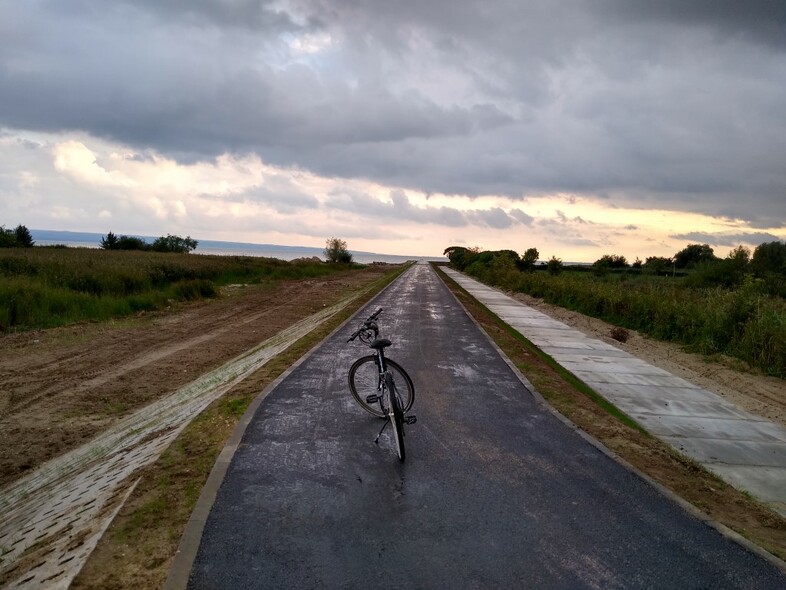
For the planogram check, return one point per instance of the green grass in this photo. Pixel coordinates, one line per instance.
(742, 322)
(48, 287)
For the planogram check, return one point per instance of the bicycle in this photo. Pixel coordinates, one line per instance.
(372, 381)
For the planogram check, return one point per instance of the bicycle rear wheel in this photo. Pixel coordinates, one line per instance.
(364, 380)
(396, 417)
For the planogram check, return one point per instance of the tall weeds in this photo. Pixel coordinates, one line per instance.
(744, 322)
(46, 287)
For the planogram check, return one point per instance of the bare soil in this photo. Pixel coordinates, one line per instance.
(59, 388)
(731, 379)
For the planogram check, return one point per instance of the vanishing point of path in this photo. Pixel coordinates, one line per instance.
(496, 492)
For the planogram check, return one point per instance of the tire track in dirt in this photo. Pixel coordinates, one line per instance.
(60, 388)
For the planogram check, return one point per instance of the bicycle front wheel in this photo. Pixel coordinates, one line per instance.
(364, 380)
(396, 418)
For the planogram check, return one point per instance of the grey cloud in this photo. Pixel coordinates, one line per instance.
(628, 99)
(761, 20)
(494, 218)
(727, 239)
(283, 201)
(521, 217)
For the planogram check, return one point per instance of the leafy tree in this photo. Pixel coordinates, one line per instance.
(694, 254)
(554, 265)
(461, 257)
(109, 241)
(527, 262)
(769, 257)
(7, 237)
(336, 251)
(170, 243)
(131, 243)
(611, 261)
(23, 237)
(658, 264)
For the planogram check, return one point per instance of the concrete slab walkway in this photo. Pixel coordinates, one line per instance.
(745, 450)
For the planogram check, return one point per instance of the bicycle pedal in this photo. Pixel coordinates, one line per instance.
(372, 399)
(410, 419)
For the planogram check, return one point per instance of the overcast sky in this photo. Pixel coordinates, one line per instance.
(579, 127)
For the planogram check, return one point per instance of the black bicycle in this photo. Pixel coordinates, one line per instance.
(375, 380)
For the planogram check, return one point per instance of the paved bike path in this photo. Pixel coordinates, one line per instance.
(746, 450)
(496, 492)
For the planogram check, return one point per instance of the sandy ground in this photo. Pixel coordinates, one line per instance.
(758, 394)
(59, 388)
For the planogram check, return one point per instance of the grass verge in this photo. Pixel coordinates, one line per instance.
(137, 549)
(657, 460)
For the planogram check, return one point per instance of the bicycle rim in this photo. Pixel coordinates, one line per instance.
(397, 422)
(364, 381)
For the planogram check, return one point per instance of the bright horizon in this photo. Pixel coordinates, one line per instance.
(633, 128)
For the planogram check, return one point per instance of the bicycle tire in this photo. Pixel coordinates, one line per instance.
(364, 381)
(396, 419)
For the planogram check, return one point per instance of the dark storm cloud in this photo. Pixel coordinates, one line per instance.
(663, 104)
(759, 20)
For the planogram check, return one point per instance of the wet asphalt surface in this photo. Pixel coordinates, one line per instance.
(496, 492)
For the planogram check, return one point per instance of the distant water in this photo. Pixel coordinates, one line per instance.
(91, 240)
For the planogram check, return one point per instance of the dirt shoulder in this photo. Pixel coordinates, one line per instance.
(59, 388)
(759, 394)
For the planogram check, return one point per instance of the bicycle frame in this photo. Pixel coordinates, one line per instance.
(391, 406)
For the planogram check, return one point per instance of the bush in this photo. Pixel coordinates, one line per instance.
(336, 251)
(743, 321)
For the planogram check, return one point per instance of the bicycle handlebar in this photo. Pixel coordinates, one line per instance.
(369, 324)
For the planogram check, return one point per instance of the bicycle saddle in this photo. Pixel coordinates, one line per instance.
(380, 343)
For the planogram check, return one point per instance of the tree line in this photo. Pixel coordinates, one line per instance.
(168, 243)
(19, 237)
(697, 262)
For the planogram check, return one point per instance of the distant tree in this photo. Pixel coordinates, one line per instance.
(170, 243)
(7, 237)
(461, 257)
(769, 257)
(336, 251)
(554, 265)
(658, 264)
(611, 261)
(131, 243)
(23, 237)
(528, 260)
(694, 254)
(729, 272)
(109, 241)
(637, 263)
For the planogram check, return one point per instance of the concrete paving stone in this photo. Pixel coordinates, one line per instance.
(656, 392)
(578, 355)
(541, 334)
(531, 323)
(597, 377)
(562, 342)
(767, 483)
(711, 428)
(617, 366)
(737, 452)
(681, 407)
(745, 450)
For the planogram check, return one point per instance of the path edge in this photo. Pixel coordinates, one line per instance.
(183, 561)
(692, 510)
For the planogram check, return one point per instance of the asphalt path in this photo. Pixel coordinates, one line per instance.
(496, 491)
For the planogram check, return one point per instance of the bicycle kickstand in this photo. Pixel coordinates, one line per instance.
(376, 440)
